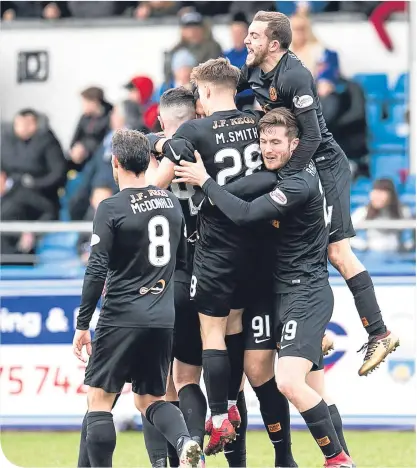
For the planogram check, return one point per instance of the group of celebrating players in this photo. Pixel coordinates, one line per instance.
(225, 270)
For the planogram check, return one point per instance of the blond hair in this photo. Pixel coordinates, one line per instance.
(218, 71)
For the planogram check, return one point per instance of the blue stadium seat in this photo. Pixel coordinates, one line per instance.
(401, 86)
(359, 194)
(388, 166)
(408, 195)
(374, 85)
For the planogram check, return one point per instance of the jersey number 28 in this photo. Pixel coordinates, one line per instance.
(159, 251)
(249, 161)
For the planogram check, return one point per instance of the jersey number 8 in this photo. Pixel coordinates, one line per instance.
(159, 252)
(250, 163)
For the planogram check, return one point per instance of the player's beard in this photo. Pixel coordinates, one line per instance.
(279, 161)
(255, 59)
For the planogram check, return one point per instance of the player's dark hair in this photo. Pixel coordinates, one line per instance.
(132, 150)
(180, 96)
(278, 29)
(280, 117)
(216, 71)
(93, 94)
(28, 113)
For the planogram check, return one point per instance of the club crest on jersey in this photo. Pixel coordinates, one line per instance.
(278, 196)
(156, 289)
(273, 93)
(301, 102)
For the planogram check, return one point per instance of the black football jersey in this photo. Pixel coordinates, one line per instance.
(229, 148)
(297, 210)
(290, 85)
(138, 236)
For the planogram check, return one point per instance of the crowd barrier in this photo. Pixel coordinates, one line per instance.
(42, 381)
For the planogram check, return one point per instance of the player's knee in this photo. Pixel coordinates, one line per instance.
(258, 367)
(339, 253)
(143, 402)
(99, 400)
(287, 387)
(213, 332)
(185, 374)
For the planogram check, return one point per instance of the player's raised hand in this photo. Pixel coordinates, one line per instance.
(192, 173)
(81, 338)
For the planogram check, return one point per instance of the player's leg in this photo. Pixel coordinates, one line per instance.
(149, 377)
(335, 178)
(305, 314)
(83, 460)
(212, 288)
(316, 381)
(260, 353)
(106, 374)
(172, 397)
(235, 451)
(187, 353)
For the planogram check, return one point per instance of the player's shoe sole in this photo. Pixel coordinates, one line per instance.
(377, 349)
(190, 454)
(327, 345)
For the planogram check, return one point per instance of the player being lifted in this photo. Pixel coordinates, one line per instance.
(135, 238)
(228, 142)
(279, 79)
(303, 297)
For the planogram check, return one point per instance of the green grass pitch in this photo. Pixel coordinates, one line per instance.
(60, 449)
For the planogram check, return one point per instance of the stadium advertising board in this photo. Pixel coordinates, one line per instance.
(42, 381)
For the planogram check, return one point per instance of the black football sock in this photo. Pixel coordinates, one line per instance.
(156, 444)
(235, 452)
(216, 368)
(193, 405)
(338, 426)
(235, 345)
(321, 427)
(275, 412)
(362, 288)
(83, 460)
(101, 438)
(173, 459)
(169, 420)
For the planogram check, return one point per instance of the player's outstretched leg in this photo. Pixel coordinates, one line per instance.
(381, 341)
(169, 421)
(216, 366)
(235, 452)
(274, 407)
(316, 381)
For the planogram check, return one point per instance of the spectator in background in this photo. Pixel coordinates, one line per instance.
(141, 92)
(383, 205)
(182, 64)
(146, 10)
(91, 128)
(196, 38)
(32, 156)
(237, 55)
(97, 176)
(32, 10)
(85, 9)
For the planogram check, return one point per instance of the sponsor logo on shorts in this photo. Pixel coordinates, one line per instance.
(156, 289)
(274, 427)
(279, 197)
(301, 102)
(323, 441)
(365, 322)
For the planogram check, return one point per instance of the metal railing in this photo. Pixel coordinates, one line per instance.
(87, 227)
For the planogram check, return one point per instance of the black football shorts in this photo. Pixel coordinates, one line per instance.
(218, 276)
(335, 176)
(258, 321)
(138, 355)
(301, 318)
(187, 337)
